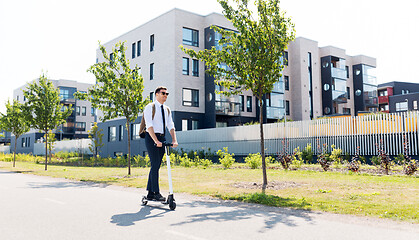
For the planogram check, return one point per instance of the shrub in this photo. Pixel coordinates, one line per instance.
(323, 157)
(185, 161)
(141, 161)
(384, 160)
(336, 156)
(297, 158)
(254, 160)
(205, 163)
(226, 159)
(355, 164)
(307, 153)
(409, 165)
(284, 158)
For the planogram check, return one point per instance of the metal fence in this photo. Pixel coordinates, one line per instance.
(346, 133)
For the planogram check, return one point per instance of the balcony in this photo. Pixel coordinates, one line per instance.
(226, 107)
(275, 112)
(371, 102)
(338, 73)
(382, 99)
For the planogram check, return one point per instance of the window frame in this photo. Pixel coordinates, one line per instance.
(152, 48)
(151, 71)
(185, 71)
(193, 42)
(195, 68)
(194, 96)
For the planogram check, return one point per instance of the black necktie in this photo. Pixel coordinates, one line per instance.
(164, 119)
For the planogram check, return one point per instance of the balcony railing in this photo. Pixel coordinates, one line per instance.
(339, 73)
(382, 99)
(275, 112)
(227, 108)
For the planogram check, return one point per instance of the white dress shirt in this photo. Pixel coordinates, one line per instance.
(157, 122)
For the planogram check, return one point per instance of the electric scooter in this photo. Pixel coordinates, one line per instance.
(170, 199)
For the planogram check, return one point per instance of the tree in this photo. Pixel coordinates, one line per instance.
(118, 90)
(44, 111)
(96, 135)
(14, 121)
(51, 142)
(250, 58)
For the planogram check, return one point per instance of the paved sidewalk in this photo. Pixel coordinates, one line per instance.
(34, 207)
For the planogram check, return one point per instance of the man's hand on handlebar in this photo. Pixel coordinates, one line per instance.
(158, 144)
(175, 144)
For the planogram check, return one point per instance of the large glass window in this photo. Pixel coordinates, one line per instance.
(195, 68)
(190, 97)
(190, 37)
(121, 132)
(249, 103)
(111, 134)
(184, 124)
(80, 126)
(185, 66)
(64, 94)
(194, 124)
(152, 43)
(135, 131)
(401, 106)
(242, 103)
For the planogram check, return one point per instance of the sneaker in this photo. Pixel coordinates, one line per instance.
(159, 197)
(150, 196)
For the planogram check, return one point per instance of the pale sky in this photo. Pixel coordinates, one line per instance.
(61, 37)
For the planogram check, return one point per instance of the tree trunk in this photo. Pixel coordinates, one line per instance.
(129, 148)
(262, 146)
(46, 150)
(14, 154)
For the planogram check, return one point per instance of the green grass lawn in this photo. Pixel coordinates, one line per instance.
(395, 197)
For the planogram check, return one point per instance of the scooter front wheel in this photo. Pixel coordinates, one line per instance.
(144, 201)
(172, 205)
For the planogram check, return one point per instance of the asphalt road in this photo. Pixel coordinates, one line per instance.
(34, 207)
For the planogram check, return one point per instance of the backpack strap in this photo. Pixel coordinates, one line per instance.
(153, 111)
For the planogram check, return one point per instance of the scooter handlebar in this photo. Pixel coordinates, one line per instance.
(165, 144)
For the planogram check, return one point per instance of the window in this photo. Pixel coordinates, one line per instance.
(152, 43)
(111, 57)
(78, 111)
(195, 68)
(93, 111)
(285, 58)
(151, 71)
(121, 132)
(347, 71)
(401, 106)
(190, 97)
(249, 103)
(133, 51)
(348, 92)
(346, 111)
(287, 82)
(83, 111)
(111, 134)
(194, 124)
(220, 124)
(138, 48)
(80, 126)
(184, 124)
(151, 96)
(23, 142)
(415, 105)
(135, 131)
(17, 98)
(287, 107)
(242, 103)
(28, 143)
(64, 94)
(190, 37)
(185, 66)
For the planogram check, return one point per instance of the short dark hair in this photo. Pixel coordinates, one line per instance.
(159, 88)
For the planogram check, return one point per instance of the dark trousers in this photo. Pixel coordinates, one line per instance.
(156, 155)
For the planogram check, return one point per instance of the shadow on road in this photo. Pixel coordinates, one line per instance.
(129, 219)
(65, 185)
(224, 211)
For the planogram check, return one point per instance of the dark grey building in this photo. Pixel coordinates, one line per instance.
(398, 96)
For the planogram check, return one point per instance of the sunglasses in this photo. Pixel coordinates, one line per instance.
(164, 93)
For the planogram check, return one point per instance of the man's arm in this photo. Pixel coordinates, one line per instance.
(174, 140)
(150, 131)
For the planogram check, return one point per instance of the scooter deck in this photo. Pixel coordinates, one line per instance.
(145, 199)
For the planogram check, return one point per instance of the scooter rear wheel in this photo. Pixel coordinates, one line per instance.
(172, 205)
(144, 201)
